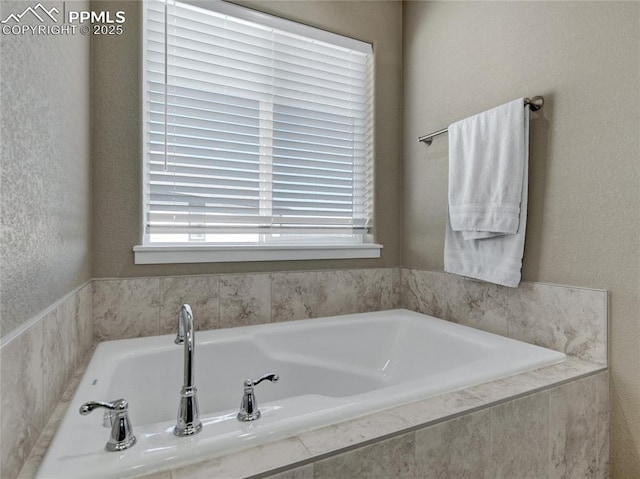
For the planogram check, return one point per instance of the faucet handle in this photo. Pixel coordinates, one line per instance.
(249, 405)
(121, 432)
(271, 377)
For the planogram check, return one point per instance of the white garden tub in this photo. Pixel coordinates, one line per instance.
(330, 369)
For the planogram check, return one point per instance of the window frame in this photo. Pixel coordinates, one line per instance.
(326, 248)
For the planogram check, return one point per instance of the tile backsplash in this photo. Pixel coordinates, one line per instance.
(37, 363)
(563, 318)
(36, 366)
(567, 319)
(136, 307)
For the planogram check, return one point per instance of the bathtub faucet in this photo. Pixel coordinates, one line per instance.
(121, 432)
(188, 415)
(249, 405)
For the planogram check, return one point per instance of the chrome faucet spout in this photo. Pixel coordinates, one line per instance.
(186, 336)
(188, 414)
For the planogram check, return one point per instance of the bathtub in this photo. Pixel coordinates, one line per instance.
(331, 369)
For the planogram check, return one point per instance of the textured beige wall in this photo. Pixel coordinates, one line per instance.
(45, 184)
(583, 229)
(116, 113)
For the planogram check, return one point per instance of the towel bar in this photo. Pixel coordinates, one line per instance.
(534, 103)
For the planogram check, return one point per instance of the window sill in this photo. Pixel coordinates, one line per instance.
(241, 253)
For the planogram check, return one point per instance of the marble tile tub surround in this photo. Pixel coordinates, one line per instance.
(137, 307)
(36, 366)
(458, 418)
(567, 319)
(538, 434)
(143, 306)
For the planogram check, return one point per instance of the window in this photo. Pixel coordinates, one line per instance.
(258, 130)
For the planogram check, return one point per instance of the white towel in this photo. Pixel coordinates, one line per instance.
(495, 255)
(486, 160)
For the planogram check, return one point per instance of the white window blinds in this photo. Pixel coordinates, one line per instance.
(254, 125)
